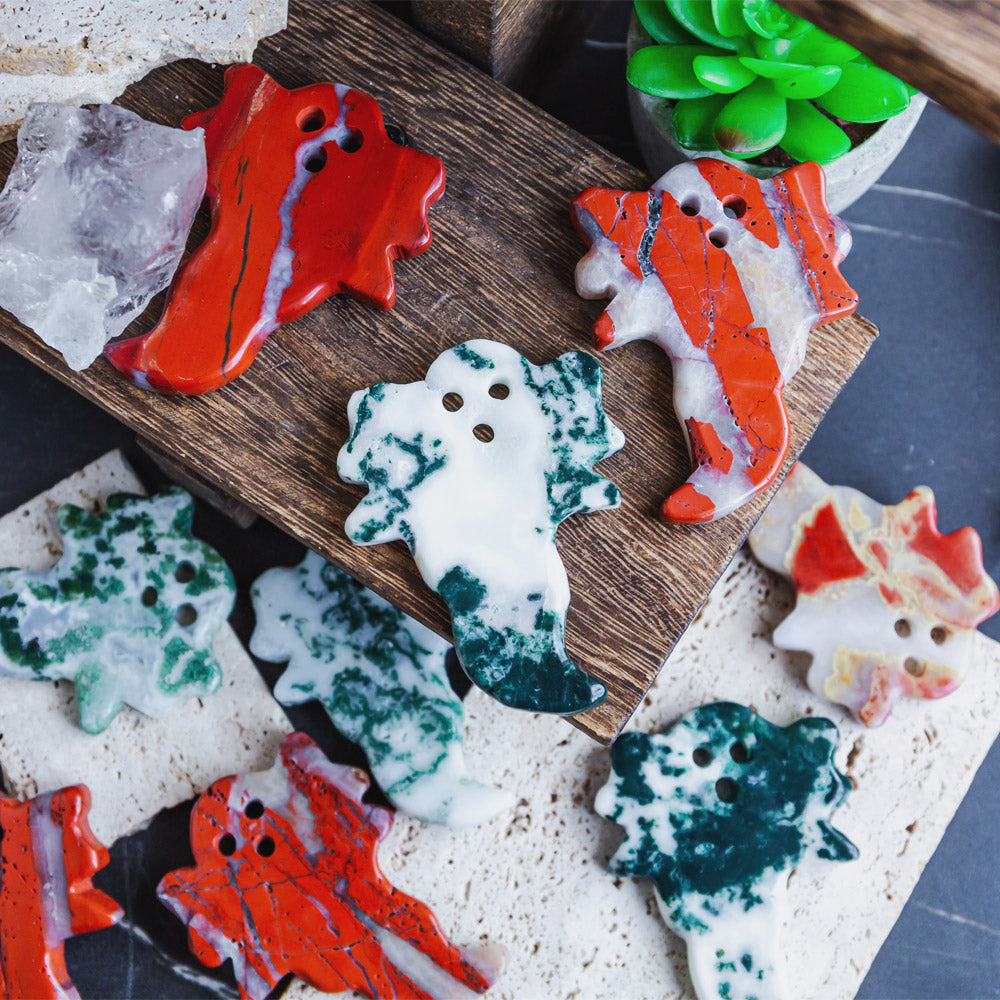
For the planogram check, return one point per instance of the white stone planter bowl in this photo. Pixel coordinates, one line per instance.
(847, 178)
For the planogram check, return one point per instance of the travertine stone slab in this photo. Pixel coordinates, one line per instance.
(138, 765)
(537, 883)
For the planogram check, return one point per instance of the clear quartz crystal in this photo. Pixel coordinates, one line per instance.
(93, 221)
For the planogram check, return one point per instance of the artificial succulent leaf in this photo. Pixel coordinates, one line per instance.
(667, 71)
(865, 94)
(773, 70)
(768, 19)
(728, 17)
(810, 135)
(661, 24)
(696, 16)
(814, 82)
(752, 122)
(723, 74)
(771, 49)
(816, 47)
(694, 120)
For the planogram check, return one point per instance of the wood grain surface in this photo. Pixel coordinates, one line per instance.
(501, 266)
(950, 49)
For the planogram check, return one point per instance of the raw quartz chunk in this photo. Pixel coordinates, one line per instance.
(93, 221)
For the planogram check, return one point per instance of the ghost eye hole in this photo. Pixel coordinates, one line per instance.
(484, 432)
(227, 844)
(914, 667)
(149, 597)
(186, 615)
(702, 756)
(734, 207)
(740, 752)
(311, 119)
(691, 205)
(499, 391)
(938, 634)
(184, 573)
(726, 789)
(902, 628)
(254, 809)
(265, 847)
(452, 401)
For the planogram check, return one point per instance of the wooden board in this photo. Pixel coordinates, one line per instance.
(950, 50)
(501, 266)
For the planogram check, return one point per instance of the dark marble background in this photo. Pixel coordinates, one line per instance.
(923, 408)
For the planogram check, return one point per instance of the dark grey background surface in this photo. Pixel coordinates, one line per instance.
(922, 409)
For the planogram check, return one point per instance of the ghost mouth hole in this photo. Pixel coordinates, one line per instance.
(499, 391)
(184, 573)
(726, 789)
(149, 597)
(227, 844)
(734, 207)
(938, 634)
(351, 142)
(452, 401)
(718, 238)
(740, 752)
(902, 628)
(254, 809)
(702, 756)
(317, 161)
(914, 667)
(311, 119)
(691, 205)
(186, 615)
(484, 432)
(265, 847)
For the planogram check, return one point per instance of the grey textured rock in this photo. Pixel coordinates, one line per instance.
(93, 221)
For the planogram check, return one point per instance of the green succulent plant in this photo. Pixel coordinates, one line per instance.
(748, 75)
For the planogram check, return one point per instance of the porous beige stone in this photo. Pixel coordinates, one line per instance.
(535, 880)
(138, 765)
(87, 52)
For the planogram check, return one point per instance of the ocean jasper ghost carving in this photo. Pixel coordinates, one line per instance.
(310, 198)
(728, 275)
(286, 879)
(128, 613)
(478, 492)
(381, 677)
(717, 811)
(48, 856)
(887, 606)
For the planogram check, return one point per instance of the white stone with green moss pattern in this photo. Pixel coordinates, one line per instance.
(480, 516)
(128, 613)
(381, 677)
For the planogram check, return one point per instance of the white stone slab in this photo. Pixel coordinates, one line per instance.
(537, 882)
(138, 765)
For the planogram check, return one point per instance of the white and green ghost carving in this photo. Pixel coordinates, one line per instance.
(128, 613)
(381, 677)
(480, 516)
(717, 811)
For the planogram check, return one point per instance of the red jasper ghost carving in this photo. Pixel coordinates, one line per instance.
(728, 275)
(310, 198)
(286, 879)
(48, 856)
(887, 606)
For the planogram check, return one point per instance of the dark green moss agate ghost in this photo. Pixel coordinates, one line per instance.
(475, 467)
(128, 613)
(717, 811)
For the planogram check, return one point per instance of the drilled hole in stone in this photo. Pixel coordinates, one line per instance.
(254, 809)
(726, 789)
(452, 401)
(499, 391)
(739, 752)
(265, 847)
(311, 119)
(396, 134)
(484, 432)
(186, 615)
(734, 207)
(691, 205)
(902, 628)
(227, 844)
(718, 238)
(914, 667)
(702, 756)
(149, 596)
(184, 573)
(351, 142)
(938, 634)
(317, 161)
